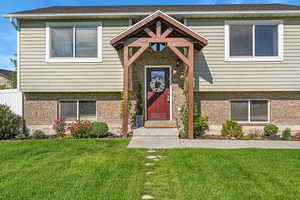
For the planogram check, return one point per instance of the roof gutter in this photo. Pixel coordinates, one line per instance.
(128, 14)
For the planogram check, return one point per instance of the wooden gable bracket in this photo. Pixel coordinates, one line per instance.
(180, 55)
(137, 54)
(167, 32)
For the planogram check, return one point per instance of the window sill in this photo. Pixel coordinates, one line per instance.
(74, 60)
(253, 123)
(254, 59)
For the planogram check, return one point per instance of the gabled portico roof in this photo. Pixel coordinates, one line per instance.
(187, 32)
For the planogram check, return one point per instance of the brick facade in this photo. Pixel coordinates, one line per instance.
(40, 109)
(284, 107)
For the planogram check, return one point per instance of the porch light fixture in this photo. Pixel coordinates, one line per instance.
(158, 47)
(178, 62)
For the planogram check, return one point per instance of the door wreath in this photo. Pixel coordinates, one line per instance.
(157, 84)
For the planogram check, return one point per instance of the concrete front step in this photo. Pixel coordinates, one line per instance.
(156, 132)
(160, 124)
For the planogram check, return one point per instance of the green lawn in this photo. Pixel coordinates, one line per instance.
(105, 169)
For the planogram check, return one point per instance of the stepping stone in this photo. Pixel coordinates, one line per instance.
(147, 196)
(149, 172)
(151, 151)
(148, 183)
(149, 164)
(151, 157)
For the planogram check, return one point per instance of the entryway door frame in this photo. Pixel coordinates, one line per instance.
(145, 89)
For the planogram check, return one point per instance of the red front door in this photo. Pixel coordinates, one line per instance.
(158, 93)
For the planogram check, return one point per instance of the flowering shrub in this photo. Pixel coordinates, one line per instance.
(59, 127)
(80, 129)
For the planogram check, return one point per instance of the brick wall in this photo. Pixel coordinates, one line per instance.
(284, 107)
(40, 109)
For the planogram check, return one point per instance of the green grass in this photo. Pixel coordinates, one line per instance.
(106, 169)
(70, 169)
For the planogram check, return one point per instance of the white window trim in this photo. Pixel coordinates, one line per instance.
(280, 56)
(77, 102)
(249, 114)
(74, 59)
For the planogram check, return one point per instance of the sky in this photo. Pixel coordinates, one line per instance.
(8, 33)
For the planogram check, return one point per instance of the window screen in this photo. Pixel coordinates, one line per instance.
(259, 110)
(239, 110)
(86, 42)
(241, 37)
(87, 110)
(62, 42)
(68, 110)
(266, 40)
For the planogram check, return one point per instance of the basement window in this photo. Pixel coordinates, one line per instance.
(250, 111)
(73, 110)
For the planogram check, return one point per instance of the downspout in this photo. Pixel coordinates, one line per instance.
(16, 24)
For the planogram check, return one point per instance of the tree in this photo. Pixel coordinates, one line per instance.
(13, 78)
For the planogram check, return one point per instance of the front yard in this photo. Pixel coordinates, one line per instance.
(106, 169)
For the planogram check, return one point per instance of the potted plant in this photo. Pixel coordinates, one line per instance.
(139, 118)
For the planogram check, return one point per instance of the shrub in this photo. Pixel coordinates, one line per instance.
(59, 127)
(201, 125)
(184, 119)
(232, 129)
(80, 129)
(98, 130)
(286, 133)
(270, 130)
(38, 134)
(9, 123)
(20, 136)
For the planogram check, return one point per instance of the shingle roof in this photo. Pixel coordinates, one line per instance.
(164, 8)
(5, 72)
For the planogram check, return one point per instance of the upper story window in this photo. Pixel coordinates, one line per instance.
(74, 42)
(254, 40)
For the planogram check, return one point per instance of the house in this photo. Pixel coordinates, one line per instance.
(238, 62)
(5, 77)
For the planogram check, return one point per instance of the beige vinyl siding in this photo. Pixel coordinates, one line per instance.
(212, 73)
(38, 75)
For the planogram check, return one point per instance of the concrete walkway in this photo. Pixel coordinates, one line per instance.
(170, 143)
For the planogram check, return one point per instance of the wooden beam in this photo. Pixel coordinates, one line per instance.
(179, 26)
(167, 32)
(135, 42)
(158, 29)
(180, 55)
(149, 32)
(125, 93)
(137, 54)
(191, 92)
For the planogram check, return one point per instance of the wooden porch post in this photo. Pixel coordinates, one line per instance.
(125, 93)
(191, 92)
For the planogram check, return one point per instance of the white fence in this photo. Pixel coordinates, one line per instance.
(12, 98)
